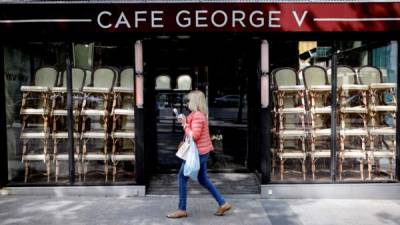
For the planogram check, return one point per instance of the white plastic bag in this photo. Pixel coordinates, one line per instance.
(192, 164)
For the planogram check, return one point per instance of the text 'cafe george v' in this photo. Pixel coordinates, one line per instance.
(297, 92)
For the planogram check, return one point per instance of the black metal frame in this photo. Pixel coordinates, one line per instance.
(333, 114)
(70, 123)
(3, 132)
(143, 159)
(397, 163)
(265, 134)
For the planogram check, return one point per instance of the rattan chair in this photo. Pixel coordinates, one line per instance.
(123, 120)
(103, 80)
(353, 101)
(184, 83)
(163, 82)
(378, 108)
(318, 93)
(59, 111)
(35, 103)
(45, 78)
(290, 101)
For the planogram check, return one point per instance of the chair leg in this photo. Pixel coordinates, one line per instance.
(342, 120)
(85, 166)
(303, 168)
(26, 171)
(79, 164)
(282, 169)
(48, 166)
(342, 143)
(24, 118)
(313, 167)
(372, 116)
(114, 125)
(362, 169)
(364, 98)
(369, 168)
(281, 121)
(273, 163)
(114, 171)
(23, 101)
(57, 169)
(341, 169)
(84, 118)
(390, 168)
(106, 170)
(45, 123)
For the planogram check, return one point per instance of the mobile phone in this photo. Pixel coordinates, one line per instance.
(175, 112)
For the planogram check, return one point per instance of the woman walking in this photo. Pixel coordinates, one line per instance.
(196, 124)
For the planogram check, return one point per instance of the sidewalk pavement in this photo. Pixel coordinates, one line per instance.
(152, 210)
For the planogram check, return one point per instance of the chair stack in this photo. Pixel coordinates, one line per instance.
(382, 102)
(290, 98)
(35, 105)
(97, 104)
(318, 94)
(59, 114)
(93, 93)
(366, 109)
(123, 129)
(353, 103)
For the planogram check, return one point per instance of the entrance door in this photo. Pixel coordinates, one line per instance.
(221, 70)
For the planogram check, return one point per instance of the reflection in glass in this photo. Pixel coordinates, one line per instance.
(366, 109)
(36, 105)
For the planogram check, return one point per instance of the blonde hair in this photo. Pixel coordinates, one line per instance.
(197, 102)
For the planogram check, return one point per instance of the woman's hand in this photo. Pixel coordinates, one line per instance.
(182, 120)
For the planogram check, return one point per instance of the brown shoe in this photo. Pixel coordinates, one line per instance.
(177, 214)
(221, 210)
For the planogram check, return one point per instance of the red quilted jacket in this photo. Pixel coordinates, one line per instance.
(197, 123)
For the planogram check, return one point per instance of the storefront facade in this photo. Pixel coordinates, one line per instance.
(298, 92)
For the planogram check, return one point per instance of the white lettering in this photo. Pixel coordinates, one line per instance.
(99, 19)
(122, 20)
(187, 20)
(224, 15)
(238, 19)
(154, 19)
(137, 19)
(272, 19)
(198, 18)
(259, 19)
(301, 20)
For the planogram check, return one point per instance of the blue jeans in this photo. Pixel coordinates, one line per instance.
(203, 180)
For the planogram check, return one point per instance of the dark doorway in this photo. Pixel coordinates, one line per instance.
(220, 68)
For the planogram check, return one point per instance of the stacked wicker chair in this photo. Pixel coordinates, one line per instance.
(382, 102)
(123, 129)
(290, 99)
(366, 108)
(318, 93)
(163, 82)
(353, 102)
(99, 92)
(35, 105)
(184, 83)
(59, 114)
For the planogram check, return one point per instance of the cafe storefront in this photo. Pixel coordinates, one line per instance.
(298, 92)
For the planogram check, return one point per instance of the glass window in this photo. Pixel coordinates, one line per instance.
(367, 77)
(103, 113)
(366, 110)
